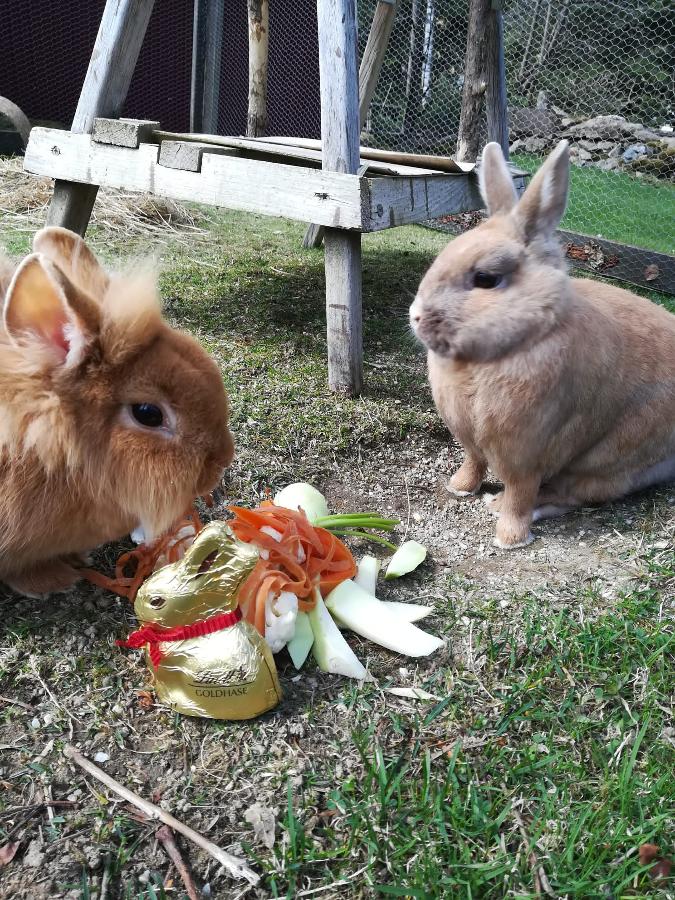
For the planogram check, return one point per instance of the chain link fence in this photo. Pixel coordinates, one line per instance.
(601, 74)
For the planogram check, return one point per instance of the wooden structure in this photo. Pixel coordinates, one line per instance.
(340, 187)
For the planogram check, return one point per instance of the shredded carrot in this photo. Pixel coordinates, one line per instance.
(134, 566)
(305, 556)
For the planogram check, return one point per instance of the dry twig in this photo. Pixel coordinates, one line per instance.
(236, 867)
(165, 837)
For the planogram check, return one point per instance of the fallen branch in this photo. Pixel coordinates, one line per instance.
(165, 837)
(236, 867)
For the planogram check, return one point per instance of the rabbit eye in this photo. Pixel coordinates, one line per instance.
(486, 280)
(147, 414)
(157, 602)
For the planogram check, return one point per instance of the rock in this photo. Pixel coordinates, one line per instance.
(602, 128)
(529, 122)
(536, 144)
(635, 151)
(607, 165)
(597, 146)
(615, 152)
(516, 145)
(583, 154)
(34, 856)
(646, 134)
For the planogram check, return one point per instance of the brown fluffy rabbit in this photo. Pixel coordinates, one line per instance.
(109, 418)
(564, 388)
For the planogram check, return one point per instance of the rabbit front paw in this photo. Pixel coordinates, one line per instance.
(512, 535)
(468, 479)
(53, 577)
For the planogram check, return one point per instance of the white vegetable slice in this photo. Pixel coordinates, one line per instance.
(331, 651)
(301, 643)
(407, 557)
(412, 693)
(305, 497)
(409, 612)
(281, 613)
(366, 576)
(369, 617)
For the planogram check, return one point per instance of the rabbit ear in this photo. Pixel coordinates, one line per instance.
(542, 206)
(496, 182)
(72, 255)
(43, 305)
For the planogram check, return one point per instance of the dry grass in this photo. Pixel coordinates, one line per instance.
(24, 199)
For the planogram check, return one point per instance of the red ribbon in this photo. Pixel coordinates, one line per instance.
(154, 635)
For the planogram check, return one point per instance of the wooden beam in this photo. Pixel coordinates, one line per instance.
(188, 155)
(258, 53)
(340, 144)
(495, 93)
(369, 73)
(207, 46)
(634, 265)
(123, 132)
(268, 188)
(113, 60)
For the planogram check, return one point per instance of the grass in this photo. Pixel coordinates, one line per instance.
(568, 768)
(550, 747)
(617, 206)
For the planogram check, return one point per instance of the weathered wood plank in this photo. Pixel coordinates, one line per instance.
(188, 154)
(123, 132)
(272, 147)
(436, 163)
(634, 265)
(333, 199)
(104, 91)
(340, 145)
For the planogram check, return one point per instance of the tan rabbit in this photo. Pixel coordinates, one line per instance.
(564, 388)
(109, 418)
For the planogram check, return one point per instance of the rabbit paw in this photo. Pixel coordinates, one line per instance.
(467, 480)
(511, 536)
(53, 577)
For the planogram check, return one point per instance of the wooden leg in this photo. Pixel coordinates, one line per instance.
(343, 311)
(71, 205)
(340, 149)
(113, 60)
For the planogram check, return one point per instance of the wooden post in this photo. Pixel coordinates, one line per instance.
(484, 77)
(258, 52)
(113, 60)
(207, 45)
(495, 96)
(340, 146)
(369, 74)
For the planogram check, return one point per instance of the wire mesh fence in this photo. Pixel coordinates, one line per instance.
(599, 72)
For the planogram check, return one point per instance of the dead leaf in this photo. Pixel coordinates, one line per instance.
(145, 699)
(263, 821)
(652, 272)
(647, 853)
(412, 693)
(8, 852)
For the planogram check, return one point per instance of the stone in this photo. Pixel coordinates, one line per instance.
(529, 122)
(602, 128)
(536, 144)
(596, 146)
(34, 856)
(608, 165)
(646, 134)
(635, 151)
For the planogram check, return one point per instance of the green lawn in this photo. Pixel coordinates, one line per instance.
(617, 206)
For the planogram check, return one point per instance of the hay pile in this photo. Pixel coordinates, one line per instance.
(24, 200)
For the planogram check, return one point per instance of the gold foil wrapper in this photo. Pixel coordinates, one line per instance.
(229, 673)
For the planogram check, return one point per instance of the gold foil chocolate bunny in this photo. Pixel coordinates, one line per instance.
(206, 660)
